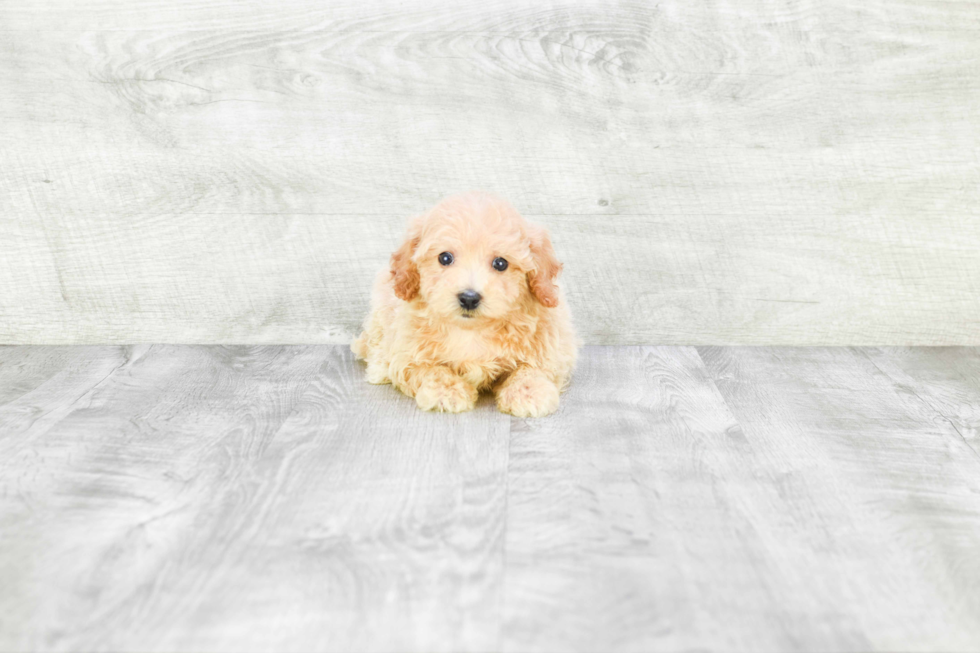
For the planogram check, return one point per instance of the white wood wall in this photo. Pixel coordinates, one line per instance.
(792, 172)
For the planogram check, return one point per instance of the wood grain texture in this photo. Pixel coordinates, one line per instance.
(770, 500)
(874, 497)
(176, 498)
(242, 499)
(761, 173)
(946, 379)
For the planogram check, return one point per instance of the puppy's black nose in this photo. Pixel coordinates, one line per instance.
(469, 299)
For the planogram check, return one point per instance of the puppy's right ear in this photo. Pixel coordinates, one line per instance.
(404, 272)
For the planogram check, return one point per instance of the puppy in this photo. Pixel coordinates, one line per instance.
(470, 303)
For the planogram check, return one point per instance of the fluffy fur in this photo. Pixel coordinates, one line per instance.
(519, 342)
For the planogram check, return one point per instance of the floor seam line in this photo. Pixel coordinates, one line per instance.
(503, 538)
(925, 402)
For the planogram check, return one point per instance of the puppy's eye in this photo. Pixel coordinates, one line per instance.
(446, 258)
(499, 264)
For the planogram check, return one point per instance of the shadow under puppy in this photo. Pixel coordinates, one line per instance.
(470, 303)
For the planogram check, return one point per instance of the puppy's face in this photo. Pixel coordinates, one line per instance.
(469, 279)
(473, 258)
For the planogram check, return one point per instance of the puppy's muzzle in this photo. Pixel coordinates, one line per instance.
(469, 299)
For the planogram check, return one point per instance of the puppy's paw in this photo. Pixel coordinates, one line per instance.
(446, 396)
(377, 373)
(528, 395)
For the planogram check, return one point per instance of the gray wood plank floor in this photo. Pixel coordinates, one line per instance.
(187, 498)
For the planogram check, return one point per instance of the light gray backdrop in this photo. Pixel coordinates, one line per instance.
(793, 172)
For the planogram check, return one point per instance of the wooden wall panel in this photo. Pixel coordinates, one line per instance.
(788, 173)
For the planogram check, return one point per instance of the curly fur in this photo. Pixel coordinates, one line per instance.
(519, 343)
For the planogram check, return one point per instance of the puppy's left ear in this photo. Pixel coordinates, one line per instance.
(546, 268)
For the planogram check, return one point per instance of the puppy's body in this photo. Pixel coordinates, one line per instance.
(518, 341)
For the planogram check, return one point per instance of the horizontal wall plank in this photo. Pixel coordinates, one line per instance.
(786, 173)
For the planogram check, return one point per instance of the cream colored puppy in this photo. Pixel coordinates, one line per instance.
(470, 303)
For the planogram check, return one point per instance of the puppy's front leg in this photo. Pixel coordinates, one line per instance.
(437, 387)
(527, 392)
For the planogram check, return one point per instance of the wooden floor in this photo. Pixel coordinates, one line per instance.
(173, 498)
